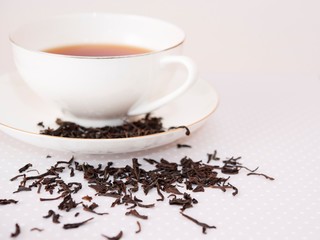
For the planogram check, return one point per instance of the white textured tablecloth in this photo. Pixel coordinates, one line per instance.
(271, 121)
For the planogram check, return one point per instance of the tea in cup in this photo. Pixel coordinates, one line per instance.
(100, 68)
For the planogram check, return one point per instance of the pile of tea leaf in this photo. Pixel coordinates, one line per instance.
(142, 127)
(173, 182)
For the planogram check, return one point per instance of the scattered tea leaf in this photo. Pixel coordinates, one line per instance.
(135, 213)
(146, 205)
(139, 227)
(16, 232)
(185, 202)
(50, 199)
(91, 209)
(165, 178)
(33, 170)
(7, 201)
(55, 217)
(76, 225)
(151, 161)
(87, 198)
(16, 177)
(183, 146)
(68, 203)
(186, 128)
(201, 224)
(261, 174)
(145, 126)
(36, 229)
(24, 168)
(118, 237)
(40, 124)
(213, 156)
(22, 189)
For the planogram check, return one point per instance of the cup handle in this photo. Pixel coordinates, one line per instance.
(192, 76)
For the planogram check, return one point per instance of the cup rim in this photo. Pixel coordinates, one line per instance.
(13, 42)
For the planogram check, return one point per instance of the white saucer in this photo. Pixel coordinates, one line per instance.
(21, 110)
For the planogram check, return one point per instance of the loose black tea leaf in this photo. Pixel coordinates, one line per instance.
(111, 194)
(231, 166)
(136, 170)
(33, 170)
(185, 202)
(203, 225)
(77, 214)
(16, 177)
(151, 161)
(146, 205)
(76, 225)
(68, 203)
(63, 162)
(22, 189)
(234, 188)
(55, 216)
(135, 213)
(24, 168)
(51, 171)
(137, 199)
(7, 201)
(198, 188)
(186, 128)
(91, 209)
(160, 194)
(75, 185)
(118, 237)
(165, 178)
(145, 126)
(183, 146)
(139, 227)
(87, 198)
(213, 156)
(48, 156)
(16, 232)
(172, 189)
(36, 229)
(50, 199)
(249, 169)
(40, 124)
(261, 174)
(71, 171)
(229, 169)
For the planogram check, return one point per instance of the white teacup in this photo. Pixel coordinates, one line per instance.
(102, 90)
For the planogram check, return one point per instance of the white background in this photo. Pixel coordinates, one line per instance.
(238, 36)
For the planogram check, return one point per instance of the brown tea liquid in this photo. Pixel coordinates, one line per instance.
(97, 50)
